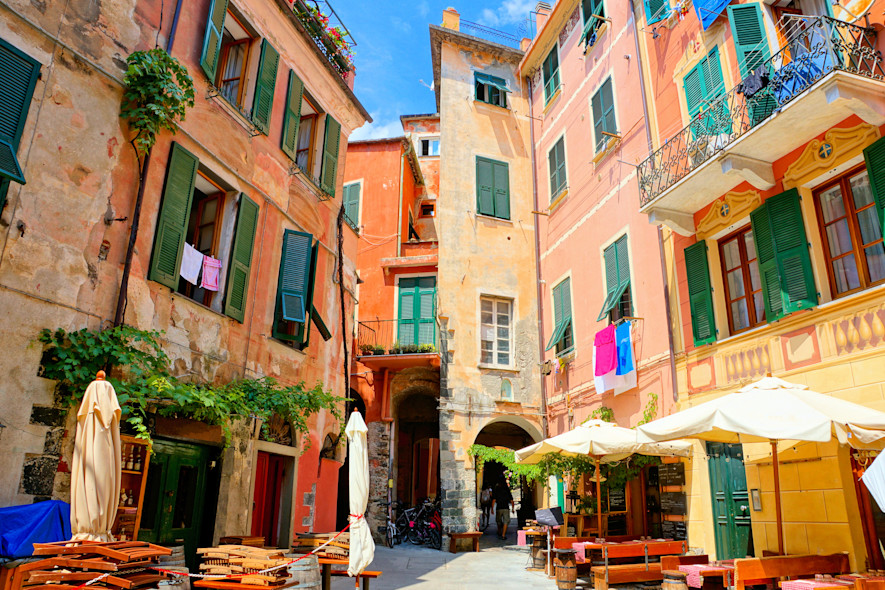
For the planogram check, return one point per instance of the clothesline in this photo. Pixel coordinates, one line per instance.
(193, 262)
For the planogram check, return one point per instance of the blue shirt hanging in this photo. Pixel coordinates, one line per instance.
(625, 351)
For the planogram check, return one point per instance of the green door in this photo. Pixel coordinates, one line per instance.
(174, 495)
(417, 311)
(731, 502)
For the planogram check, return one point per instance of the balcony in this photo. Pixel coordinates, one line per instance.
(328, 33)
(396, 344)
(826, 71)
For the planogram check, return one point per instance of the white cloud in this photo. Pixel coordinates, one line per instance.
(508, 13)
(379, 129)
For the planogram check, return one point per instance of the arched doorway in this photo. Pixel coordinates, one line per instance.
(354, 402)
(417, 447)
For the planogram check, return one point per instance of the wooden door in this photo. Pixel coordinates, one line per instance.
(269, 474)
(731, 505)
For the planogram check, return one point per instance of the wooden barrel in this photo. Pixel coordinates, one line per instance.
(673, 580)
(539, 560)
(306, 572)
(566, 569)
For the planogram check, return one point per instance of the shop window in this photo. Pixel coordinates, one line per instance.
(617, 304)
(492, 188)
(562, 338)
(20, 73)
(550, 72)
(556, 161)
(495, 322)
(490, 89)
(430, 146)
(428, 210)
(851, 233)
(743, 283)
(603, 106)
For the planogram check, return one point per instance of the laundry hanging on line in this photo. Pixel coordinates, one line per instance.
(211, 271)
(191, 264)
(613, 355)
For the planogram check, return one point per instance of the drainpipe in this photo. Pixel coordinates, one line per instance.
(399, 216)
(664, 280)
(538, 266)
(171, 38)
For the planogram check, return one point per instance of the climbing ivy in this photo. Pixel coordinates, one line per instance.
(650, 411)
(603, 413)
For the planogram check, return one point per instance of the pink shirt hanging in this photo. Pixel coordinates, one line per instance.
(606, 351)
(211, 270)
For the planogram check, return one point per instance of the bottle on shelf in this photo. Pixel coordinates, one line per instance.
(138, 462)
(123, 497)
(129, 463)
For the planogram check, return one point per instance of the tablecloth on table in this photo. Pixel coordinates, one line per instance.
(695, 573)
(814, 584)
(520, 538)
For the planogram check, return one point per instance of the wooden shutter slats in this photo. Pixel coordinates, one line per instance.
(292, 116)
(212, 38)
(748, 32)
(241, 259)
(501, 178)
(178, 193)
(265, 84)
(331, 143)
(700, 294)
(874, 156)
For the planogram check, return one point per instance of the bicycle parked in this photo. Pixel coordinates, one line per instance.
(426, 525)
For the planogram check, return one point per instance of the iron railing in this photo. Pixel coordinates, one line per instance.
(815, 47)
(380, 337)
(489, 34)
(329, 33)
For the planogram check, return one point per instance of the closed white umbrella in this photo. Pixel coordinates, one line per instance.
(770, 410)
(362, 547)
(95, 472)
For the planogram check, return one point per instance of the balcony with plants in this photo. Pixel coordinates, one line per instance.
(397, 343)
(826, 71)
(328, 32)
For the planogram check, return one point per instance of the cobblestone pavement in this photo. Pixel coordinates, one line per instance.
(499, 564)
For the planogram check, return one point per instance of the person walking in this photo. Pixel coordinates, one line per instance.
(503, 504)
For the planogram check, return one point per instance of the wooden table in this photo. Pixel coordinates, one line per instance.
(228, 585)
(831, 584)
(705, 575)
(326, 563)
(598, 546)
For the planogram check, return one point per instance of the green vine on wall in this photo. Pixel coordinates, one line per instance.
(144, 383)
(603, 413)
(650, 412)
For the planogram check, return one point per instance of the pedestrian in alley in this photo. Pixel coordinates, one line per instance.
(503, 504)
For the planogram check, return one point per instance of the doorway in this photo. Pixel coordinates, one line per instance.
(270, 476)
(871, 516)
(731, 500)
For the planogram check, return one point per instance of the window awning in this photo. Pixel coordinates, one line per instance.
(709, 10)
(612, 299)
(493, 81)
(558, 332)
(9, 166)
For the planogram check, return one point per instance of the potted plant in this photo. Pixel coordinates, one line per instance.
(366, 349)
(410, 348)
(378, 350)
(396, 348)
(425, 348)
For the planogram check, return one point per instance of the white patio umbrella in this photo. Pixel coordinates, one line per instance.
(606, 443)
(95, 472)
(770, 410)
(362, 547)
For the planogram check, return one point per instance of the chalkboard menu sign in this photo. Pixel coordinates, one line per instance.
(672, 474)
(673, 530)
(673, 503)
(617, 501)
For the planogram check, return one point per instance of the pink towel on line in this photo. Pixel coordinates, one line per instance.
(211, 270)
(520, 538)
(606, 351)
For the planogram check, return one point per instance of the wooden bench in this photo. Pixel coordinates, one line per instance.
(453, 540)
(366, 577)
(627, 573)
(672, 562)
(764, 570)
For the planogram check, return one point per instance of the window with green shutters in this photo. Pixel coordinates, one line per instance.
(331, 143)
(19, 73)
(352, 204)
(262, 104)
(292, 116)
(603, 106)
(656, 10)
(618, 302)
(703, 85)
(212, 38)
(416, 323)
(490, 89)
(874, 156)
(556, 165)
(550, 71)
(562, 337)
(751, 46)
(241, 259)
(700, 294)
(492, 188)
(782, 254)
(295, 288)
(593, 12)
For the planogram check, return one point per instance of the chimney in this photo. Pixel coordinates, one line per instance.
(543, 13)
(451, 19)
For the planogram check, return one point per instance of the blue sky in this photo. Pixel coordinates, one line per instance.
(393, 51)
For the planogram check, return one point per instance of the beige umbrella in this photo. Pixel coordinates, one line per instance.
(768, 411)
(362, 547)
(606, 443)
(95, 472)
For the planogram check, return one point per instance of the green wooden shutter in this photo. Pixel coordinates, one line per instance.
(295, 274)
(501, 174)
(617, 274)
(178, 194)
(603, 113)
(292, 116)
(562, 312)
(793, 260)
(748, 32)
(485, 187)
(554, 173)
(694, 91)
(565, 302)
(621, 248)
(700, 294)
(426, 311)
(331, 142)
(262, 103)
(763, 237)
(241, 259)
(19, 73)
(550, 70)
(212, 39)
(408, 308)
(874, 156)
(351, 198)
(656, 10)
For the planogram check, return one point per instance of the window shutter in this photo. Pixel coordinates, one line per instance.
(19, 73)
(700, 294)
(178, 194)
(408, 306)
(561, 299)
(608, 107)
(598, 120)
(502, 190)
(621, 248)
(262, 104)
(352, 203)
(748, 32)
(212, 39)
(656, 10)
(331, 142)
(554, 172)
(612, 281)
(241, 259)
(767, 260)
(712, 71)
(485, 186)
(560, 163)
(295, 276)
(694, 91)
(565, 300)
(793, 260)
(426, 300)
(874, 156)
(292, 116)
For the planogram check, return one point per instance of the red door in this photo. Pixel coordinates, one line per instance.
(269, 473)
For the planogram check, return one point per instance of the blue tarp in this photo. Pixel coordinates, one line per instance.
(43, 522)
(709, 10)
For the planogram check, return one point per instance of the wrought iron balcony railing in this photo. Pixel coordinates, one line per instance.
(816, 47)
(489, 34)
(383, 337)
(328, 32)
